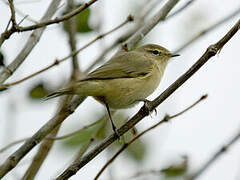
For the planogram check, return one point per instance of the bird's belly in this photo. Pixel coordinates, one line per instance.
(120, 95)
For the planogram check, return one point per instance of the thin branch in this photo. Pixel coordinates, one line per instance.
(216, 155)
(14, 159)
(208, 30)
(186, 5)
(13, 16)
(18, 11)
(30, 44)
(159, 16)
(50, 137)
(157, 172)
(60, 19)
(165, 119)
(56, 62)
(12, 144)
(5, 35)
(25, 17)
(143, 112)
(39, 158)
(92, 139)
(75, 132)
(72, 30)
(146, 9)
(103, 53)
(103, 120)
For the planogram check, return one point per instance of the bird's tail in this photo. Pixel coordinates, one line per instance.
(57, 93)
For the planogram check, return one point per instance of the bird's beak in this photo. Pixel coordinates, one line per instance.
(173, 55)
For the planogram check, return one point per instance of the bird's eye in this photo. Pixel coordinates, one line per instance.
(155, 52)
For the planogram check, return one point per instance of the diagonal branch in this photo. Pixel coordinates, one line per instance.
(167, 118)
(50, 137)
(159, 16)
(143, 112)
(39, 158)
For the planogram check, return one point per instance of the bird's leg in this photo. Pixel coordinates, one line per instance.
(147, 106)
(110, 117)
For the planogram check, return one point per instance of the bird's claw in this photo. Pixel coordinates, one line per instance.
(116, 133)
(147, 106)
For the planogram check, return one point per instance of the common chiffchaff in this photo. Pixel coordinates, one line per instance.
(124, 80)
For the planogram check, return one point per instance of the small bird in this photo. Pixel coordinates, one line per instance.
(126, 79)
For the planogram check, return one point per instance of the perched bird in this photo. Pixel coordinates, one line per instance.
(124, 80)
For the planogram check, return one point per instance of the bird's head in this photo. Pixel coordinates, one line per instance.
(156, 52)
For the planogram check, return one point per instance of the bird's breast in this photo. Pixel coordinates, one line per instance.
(126, 92)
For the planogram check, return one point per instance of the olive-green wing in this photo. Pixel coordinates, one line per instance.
(127, 65)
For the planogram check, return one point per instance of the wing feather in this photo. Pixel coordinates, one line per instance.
(122, 66)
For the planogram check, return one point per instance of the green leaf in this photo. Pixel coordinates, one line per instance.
(82, 20)
(176, 169)
(137, 150)
(38, 91)
(85, 135)
(78, 139)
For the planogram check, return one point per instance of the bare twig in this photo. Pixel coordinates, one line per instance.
(13, 16)
(75, 132)
(30, 44)
(50, 137)
(143, 112)
(18, 11)
(14, 159)
(126, 144)
(92, 139)
(25, 17)
(56, 62)
(101, 56)
(187, 4)
(39, 158)
(215, 156)
(5, 35)
(72, 30)
(160, 15)
(12, 144)
(157, 172)
(146, 172)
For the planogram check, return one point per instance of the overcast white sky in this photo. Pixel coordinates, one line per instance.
(198, 133)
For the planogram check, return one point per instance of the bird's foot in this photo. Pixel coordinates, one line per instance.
(116, 132)
(148, 107)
